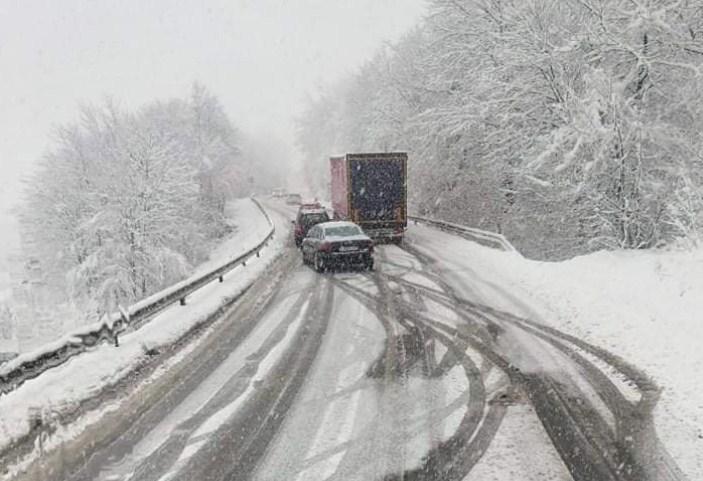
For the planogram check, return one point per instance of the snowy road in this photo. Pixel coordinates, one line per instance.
(402, 373)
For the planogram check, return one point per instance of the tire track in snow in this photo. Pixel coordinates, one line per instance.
(453, 458)
(112, 460)
(583, 438)
(249, 367)
(241, 443)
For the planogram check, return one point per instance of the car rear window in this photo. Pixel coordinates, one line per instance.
(342, 231)
(312, 219)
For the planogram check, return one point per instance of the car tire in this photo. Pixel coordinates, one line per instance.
(319, 266)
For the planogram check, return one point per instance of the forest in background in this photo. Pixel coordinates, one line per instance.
(567, 125)
(125, 203)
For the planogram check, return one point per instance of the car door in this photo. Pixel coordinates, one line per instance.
(309, 242)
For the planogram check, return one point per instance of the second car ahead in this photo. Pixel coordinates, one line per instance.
(294, 199)
(334, 244)
(308, 216)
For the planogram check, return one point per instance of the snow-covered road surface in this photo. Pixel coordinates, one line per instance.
(420, 370)
(88, 388)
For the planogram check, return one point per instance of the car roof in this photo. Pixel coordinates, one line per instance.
(338, 223)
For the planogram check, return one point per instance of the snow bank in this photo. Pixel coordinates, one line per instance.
(648, 308)
(645, 306)
(84, 376)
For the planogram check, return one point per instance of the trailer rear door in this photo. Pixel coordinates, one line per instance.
(378, 188)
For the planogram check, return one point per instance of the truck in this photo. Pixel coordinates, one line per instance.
(370, 189)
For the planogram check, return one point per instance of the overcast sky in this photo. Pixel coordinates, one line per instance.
(260, 57)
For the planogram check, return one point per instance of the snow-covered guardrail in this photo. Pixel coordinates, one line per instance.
(30, 365)
(491, 239)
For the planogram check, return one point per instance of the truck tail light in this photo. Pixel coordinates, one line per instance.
(326, 247)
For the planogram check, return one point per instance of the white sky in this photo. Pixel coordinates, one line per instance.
(260, 57)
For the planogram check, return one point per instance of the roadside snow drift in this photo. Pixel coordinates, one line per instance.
(645, 306)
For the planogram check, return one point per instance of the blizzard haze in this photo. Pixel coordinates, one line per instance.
(528, 181)
(261, 58)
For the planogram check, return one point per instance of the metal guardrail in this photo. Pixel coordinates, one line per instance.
(30, 365)
(489, 239)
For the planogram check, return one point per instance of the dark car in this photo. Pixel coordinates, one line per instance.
(333, 244)
(306, 218)
(294, 199)
(310, 205)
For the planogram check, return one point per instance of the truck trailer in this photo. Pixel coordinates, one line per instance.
(370, 189)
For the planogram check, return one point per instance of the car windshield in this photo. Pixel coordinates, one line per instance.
(342, 231)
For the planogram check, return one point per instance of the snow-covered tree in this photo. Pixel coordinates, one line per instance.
(126, 202)
(567, 124)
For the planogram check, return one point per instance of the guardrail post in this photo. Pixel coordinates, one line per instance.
(244, 263)
(183, 301)
(258, 253)
(126, 318)
(222, 278)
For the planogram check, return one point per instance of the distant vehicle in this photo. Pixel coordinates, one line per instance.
(370, 190)
(307, 218)
(294, 199)
(334, 244)
(278, 193)
(311, 205)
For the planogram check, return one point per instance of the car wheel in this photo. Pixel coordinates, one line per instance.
(319, 266)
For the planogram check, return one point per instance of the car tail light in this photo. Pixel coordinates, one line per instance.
(326, 247)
